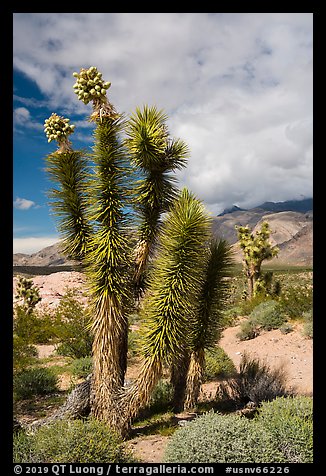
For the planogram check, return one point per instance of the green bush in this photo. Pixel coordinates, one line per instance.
(290, 422)
(216, 438)
(23, 353)
(133, 343)
(230, 315)
(286, 328)
(72, 327)
(29, 327)
(22, 447)
(77, 441)
(248, 330)
(218, 364)
(34, 326)
(31, 382)
(308, 326)
(268, 315)
(248, 305)
(296, 300)
(44, 331)
(82, 367)
(162, 396)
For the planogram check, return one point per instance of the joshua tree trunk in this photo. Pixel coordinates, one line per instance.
(253, 274)
(194, 378)
(250, 280)
(179, 370)
(108, 371)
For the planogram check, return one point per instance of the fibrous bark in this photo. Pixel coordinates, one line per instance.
(76, 406)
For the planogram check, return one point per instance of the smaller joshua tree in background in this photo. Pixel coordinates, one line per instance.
(28, 292)
(256, 249)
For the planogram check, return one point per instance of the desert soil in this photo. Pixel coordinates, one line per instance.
(291, 351)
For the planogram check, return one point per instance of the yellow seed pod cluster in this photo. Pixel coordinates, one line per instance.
(89, 85)
(57, 128)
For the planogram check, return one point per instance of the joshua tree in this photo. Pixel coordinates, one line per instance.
(28, 293)
(94, 210)
(256, 249)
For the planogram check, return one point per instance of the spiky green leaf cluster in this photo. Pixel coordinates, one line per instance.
(57, 128)
(149, 142)
(69, 200)
(147, 137)
(212, 295)
(89, 85)
(176, 277)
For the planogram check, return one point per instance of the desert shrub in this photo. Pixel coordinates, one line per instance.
(22, 448)
(160, 401)
(72, 327)
(230, 315)
(248, 305)
(286, 328)
(31, 382)
(307, 330)
(290, 421)
(248, 330)
(82, 367)
(255, 382)
(66, 441)
(268, 315)
(296, 300)
(161, 397)
(34, 326)
(216, 438)
(218, 364)
(30, 327)
(133, 343)
(24, 353)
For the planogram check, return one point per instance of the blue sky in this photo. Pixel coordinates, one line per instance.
(237, 87)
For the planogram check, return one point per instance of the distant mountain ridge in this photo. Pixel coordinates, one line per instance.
(49, 256)
(302, 206)
(291, 224)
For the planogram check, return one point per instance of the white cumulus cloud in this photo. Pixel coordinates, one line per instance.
(24, 203)
(31, 244)
(237, 88)
(22, 117)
